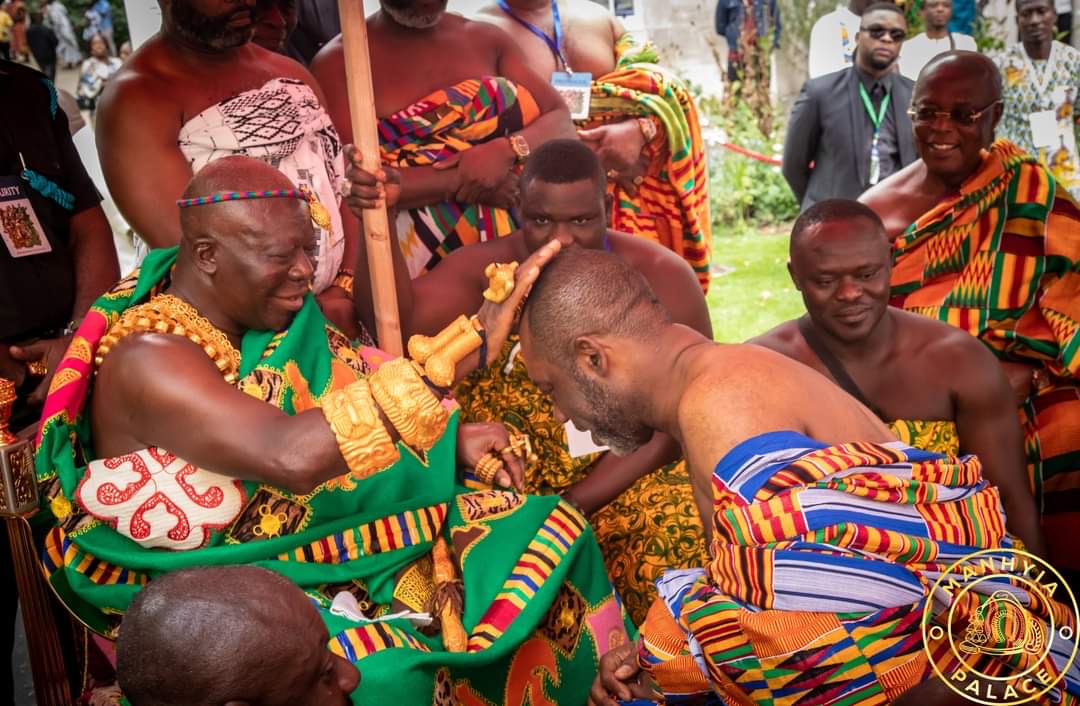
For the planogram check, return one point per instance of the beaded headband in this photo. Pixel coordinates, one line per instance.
(319, 215)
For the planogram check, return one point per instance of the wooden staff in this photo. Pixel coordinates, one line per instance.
(365, 135)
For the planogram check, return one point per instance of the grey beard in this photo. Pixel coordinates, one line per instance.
(412, 21)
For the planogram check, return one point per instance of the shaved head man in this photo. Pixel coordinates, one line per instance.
(984, 238)
(229, 635)
(780, 458)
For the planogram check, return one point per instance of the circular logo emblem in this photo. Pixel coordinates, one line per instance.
(988, 624)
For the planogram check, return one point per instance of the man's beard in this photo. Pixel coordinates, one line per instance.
(612, 427)
(211, 32)
(406, 17)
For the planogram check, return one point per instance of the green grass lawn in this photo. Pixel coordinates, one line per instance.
(750, 290)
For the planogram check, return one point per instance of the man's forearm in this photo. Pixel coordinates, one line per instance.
(552, 125)
(421, 186)
(94, 256)
(613, 474)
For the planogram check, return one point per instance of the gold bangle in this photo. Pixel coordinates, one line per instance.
(409, 404)
(423, 347)
(500, 281)
(441, 367)
(364, 442)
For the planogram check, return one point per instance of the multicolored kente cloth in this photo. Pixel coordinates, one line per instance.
(672, 203)
(652, 526)
(823, 559)
(1001, 260)
(938, 435)
(539, 609)
(448, 122)
(1053, 85)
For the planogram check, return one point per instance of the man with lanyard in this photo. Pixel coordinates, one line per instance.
(56, 257)
(1042, 93)
(637, 117)
(832, 40)
(851, 125)
(937, 39)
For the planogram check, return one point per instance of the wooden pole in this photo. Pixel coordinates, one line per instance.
(366, 138)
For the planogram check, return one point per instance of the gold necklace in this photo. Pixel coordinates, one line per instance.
(166, 313)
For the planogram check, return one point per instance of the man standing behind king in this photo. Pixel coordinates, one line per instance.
(639, 118)
(456, 118)
(200, 90)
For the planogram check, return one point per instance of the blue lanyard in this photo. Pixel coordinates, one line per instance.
(554, 43)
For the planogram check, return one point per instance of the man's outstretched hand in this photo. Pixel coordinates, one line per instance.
(479, 438)
(500, 320)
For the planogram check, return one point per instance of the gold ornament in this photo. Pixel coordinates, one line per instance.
(38, 368)
(320, 215)
(166, 313)
(441, 368)
(488, 467)
(521, 446)
(500, 281)
(409, 404)
(423, 347)
(448, 601)
(364, 442)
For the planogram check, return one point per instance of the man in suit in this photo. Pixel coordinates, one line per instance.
(850, 129)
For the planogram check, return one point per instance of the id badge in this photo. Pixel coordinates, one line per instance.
(1044, 128)
(576, 89)
(19, 226)
(580, 443)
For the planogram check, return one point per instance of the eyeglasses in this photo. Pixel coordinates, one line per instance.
(925, 116)
(877, 32)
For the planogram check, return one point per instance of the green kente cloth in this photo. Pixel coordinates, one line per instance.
(539, 608)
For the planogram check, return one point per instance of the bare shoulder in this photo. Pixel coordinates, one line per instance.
(659, 264)
(153, 362)
(939, 347)
(490, 13)
(328, 66)
(881, 196)
(782, 338)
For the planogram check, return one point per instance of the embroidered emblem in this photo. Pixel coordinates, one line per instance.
(488, 504)
(266, 516)
(158, 500)
(444, 690)
(266, 385)
(124, 287)
(564, 620)
(343, 350)
(465, 538)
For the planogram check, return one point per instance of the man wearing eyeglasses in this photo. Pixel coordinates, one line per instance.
(848, 129)
(985, 238)
(1042, 93)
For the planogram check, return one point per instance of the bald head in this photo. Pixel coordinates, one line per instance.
(963, 69)
(189, 636)
(590, 292)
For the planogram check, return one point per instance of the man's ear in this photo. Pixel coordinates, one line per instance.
(592, 356)
(791, 273)
(205, 255)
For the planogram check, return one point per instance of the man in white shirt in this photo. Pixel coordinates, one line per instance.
(832, 40)
(937, 39)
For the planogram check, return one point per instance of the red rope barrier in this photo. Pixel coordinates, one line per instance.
(751, 154)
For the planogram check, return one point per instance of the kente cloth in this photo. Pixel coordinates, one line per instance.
(448, 122)
(1033, 86)
(538, 607)
(937, 435)
(823, 560)
(672, 203)
(1000, 259)
(650, 527)
(283, 124)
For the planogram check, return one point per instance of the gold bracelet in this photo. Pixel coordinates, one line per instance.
(364, 442)
(409, 404)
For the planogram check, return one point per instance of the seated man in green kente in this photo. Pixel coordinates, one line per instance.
(207, 413)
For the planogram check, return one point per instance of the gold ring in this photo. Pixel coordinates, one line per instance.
(612, 174)
(38, 368)
(501, 281)
(487, 467)
(638, 180)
